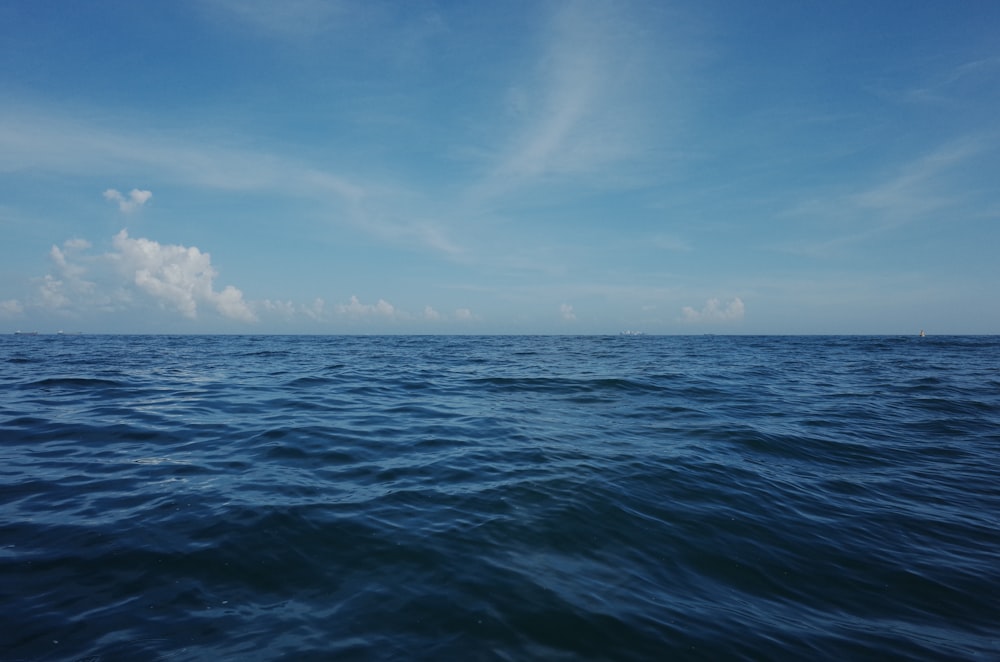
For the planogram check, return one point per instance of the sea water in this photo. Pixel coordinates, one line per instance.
(499, 498)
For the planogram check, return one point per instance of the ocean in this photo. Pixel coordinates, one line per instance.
(499, 498)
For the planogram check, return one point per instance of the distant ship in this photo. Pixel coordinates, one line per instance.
(26, 333)
(922, 334)
(631, 333)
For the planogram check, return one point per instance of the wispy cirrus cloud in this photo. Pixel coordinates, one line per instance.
(956, 85)
(943, 182)
(287, 19)
(588, 102)
(36, 140)
(919, 187)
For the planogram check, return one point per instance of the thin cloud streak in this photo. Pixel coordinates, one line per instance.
(915, 192)
(50, 143)
(289, 19)
(34, 139)
(585, 107)
(922, 189)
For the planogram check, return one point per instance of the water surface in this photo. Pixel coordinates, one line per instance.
(499, 498)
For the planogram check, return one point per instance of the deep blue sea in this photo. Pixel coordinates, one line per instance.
(499, 498)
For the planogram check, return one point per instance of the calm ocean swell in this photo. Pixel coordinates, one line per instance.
(499, 498)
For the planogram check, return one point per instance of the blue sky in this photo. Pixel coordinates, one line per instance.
(330, 166)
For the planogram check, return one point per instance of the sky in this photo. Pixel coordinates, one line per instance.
(578, 167)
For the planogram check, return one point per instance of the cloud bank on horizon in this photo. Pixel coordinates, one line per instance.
(564, 167)
(142, 274)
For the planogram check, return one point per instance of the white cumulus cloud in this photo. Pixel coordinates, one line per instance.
(53, 293)
(135, 199)
(59, 291)
(283, 308)
(179, 276)
(715, 311)
(290, 310)
(354, 308)
(567, 313)
(315, 310)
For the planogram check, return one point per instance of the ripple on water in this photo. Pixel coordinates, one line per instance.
(499, 498)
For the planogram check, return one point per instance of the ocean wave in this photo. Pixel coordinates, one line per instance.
(500, 498)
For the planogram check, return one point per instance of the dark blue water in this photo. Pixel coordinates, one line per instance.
(499, 498)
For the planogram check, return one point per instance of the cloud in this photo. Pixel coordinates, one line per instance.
(52, 292)
(281, 308)
(406, 230)
(314, 310)
(566, 311)
(460, 314)
(317, 26)
(135, 200)
(76, 244)
(596, 97)
(955, 85)
(178, 276)
(62, 259)
(69, 283)
(912, 192)
(355, 309)
(576, 73)
(289, 19)
(671, 243)
(714, 311)
(11, 308)
(946, 180)
(34, 139)
(289, 310)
